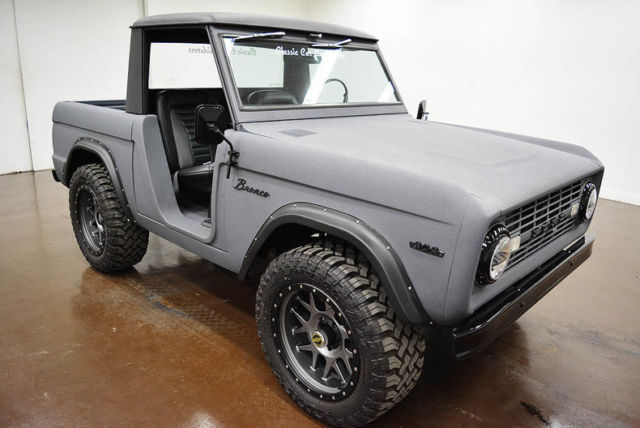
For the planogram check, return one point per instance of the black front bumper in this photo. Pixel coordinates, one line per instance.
(493, 318)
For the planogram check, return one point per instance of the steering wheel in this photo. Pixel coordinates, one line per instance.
(345, 97)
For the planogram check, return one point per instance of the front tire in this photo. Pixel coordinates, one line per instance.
(331, 338)
(109, 239)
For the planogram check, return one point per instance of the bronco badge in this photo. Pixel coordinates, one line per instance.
(242, 185)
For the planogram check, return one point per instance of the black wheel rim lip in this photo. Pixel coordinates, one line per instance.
(90, 221)
(287, 353)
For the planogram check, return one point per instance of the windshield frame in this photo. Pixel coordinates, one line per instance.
(298, 111)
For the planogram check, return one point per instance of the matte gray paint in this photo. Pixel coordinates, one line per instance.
(407, 179)
(479, 331)
(96, 147)
(443, 179)
(362, 236)
(153, 185)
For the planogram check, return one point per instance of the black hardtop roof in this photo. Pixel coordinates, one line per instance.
(249, 20)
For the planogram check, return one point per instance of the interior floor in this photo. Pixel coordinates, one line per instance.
(173, 342)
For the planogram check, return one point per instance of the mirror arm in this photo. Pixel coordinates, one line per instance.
(423, 114)
(233, 155)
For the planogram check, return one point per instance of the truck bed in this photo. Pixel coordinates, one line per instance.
(103, 120)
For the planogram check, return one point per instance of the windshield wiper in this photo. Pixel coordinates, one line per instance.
(261, 35)
(336, 45)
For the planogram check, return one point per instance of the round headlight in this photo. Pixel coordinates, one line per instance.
(589, 200)
(500, 257)
(496, 251)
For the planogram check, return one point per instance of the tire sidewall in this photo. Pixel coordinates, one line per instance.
(80, 182)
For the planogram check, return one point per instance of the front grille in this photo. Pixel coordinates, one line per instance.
(543, 220)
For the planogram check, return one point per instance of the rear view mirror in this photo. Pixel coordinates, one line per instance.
(423, 114)
(207, 119)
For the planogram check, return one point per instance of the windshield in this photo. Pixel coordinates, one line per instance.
(271, 73)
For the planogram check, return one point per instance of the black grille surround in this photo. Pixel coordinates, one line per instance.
(542, 221)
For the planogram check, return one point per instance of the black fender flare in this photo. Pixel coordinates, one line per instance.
(97, 148)
(366, 239)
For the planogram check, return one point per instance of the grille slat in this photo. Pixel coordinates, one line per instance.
(542, 221)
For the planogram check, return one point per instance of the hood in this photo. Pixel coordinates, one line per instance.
(396, 153)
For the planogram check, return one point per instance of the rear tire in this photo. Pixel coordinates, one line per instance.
(320, 304)
(109, 239)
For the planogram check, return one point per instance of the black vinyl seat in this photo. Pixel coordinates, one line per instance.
(189, 163)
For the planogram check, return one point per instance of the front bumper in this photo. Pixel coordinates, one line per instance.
(493, 318)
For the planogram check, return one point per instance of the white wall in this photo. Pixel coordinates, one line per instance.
(70, 50)
(559, 69)
(564, 70)
(14, 141)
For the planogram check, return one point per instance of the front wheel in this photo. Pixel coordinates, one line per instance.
(331, 338)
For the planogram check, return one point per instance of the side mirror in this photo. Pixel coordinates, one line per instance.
(207, 118)
(423, 114)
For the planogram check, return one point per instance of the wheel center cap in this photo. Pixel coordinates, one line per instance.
(319, 339)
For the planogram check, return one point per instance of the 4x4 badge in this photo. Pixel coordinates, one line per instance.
(426, 248)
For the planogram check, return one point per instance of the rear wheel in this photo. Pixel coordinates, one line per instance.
(331, 338)
(109, 239)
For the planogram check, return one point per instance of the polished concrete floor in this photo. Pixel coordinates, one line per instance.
(173, 342)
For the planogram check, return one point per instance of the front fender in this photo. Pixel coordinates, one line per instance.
(362, 236)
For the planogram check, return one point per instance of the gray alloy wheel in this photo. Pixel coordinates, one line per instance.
(315, 339)
(91, 220)
(330, 336)
(109, 239)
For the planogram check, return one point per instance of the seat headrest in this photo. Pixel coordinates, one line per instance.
(172, 97)
(271, 97)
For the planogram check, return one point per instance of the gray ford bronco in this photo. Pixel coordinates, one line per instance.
(280, 149)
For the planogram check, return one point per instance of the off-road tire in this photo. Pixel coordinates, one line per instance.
(125, 242)
(391, 352)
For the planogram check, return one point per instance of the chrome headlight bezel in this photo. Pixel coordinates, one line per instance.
(494, 258)
(588, 201)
